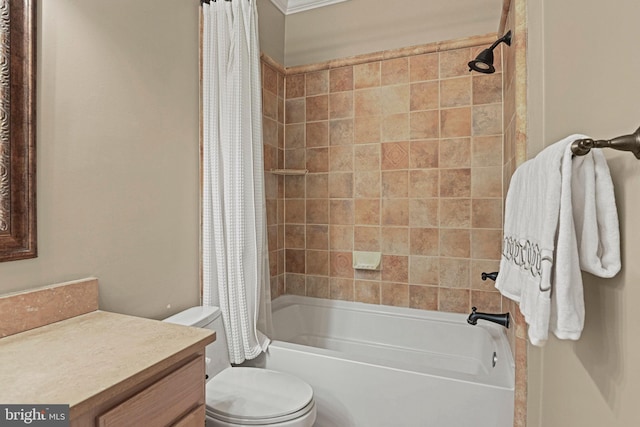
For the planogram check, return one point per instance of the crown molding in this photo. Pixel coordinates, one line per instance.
(289, 7)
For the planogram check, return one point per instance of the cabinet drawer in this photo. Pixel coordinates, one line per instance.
(163, 402)
(194, 418)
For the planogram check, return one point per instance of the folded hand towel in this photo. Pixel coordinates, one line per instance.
(589, 224)
(595, 216)
(560, 216)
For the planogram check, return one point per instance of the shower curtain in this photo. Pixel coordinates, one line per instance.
(234, 244)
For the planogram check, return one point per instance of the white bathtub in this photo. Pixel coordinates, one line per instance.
(380, 366)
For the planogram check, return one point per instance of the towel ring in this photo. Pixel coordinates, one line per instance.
(631, 142)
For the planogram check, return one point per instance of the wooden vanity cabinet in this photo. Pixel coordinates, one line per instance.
(174, 397)
(111, 369)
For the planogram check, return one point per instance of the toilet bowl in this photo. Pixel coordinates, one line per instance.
(239, 396)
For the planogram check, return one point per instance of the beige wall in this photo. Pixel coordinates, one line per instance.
(363, 26)
(117, 138)
(271, 30)
(591, 77)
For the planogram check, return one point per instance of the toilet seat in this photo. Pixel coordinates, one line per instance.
(306, 417)
(256, 396)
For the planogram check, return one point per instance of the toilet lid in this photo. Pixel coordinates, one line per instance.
(257, 394)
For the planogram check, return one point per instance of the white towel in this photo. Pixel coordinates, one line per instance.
(560, 217)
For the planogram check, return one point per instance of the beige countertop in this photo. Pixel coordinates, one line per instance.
(85, 360)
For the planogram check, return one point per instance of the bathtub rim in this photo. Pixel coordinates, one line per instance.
(497, 333)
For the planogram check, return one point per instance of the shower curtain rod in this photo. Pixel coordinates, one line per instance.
(209, 1)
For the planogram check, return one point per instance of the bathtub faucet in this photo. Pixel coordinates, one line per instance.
(500, 319)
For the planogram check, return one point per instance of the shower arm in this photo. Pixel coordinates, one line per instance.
(496, 43)
(506, 39)
(631, 143)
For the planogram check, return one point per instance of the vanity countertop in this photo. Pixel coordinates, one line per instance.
(86, 360)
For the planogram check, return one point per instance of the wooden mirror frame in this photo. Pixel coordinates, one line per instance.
(17, 130)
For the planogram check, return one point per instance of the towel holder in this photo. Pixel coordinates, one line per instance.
(631, 142)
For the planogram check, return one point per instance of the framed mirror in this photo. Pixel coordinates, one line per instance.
(17, 130)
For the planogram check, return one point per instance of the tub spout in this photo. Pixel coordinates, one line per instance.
(500, 319)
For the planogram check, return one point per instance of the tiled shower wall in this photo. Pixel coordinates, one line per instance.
(273, 139)
(515, 140)
(404, 157)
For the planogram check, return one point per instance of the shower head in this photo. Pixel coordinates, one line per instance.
(484, 61)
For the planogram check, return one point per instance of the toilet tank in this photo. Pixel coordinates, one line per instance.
(217, 354)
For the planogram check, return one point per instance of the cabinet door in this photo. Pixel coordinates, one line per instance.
(162, 403)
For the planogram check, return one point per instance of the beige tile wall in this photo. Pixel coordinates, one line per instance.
(517, 332)
(404, 157)
(273, 140)
(514, 154)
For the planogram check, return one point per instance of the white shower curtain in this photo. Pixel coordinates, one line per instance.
(234, 244)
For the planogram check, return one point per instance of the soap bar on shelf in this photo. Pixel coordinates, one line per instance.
(366, 260)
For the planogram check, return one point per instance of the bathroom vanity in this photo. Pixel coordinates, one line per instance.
(112, 369)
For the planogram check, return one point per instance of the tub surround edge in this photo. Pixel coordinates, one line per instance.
(461, 43)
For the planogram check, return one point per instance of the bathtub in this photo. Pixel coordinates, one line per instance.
(380, 366)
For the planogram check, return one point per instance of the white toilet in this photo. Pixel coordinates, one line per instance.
(247, 396)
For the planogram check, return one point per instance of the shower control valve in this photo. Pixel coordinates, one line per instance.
(493, 276)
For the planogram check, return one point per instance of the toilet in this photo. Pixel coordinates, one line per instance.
(239, 396)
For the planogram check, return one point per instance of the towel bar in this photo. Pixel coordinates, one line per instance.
(631, 142)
